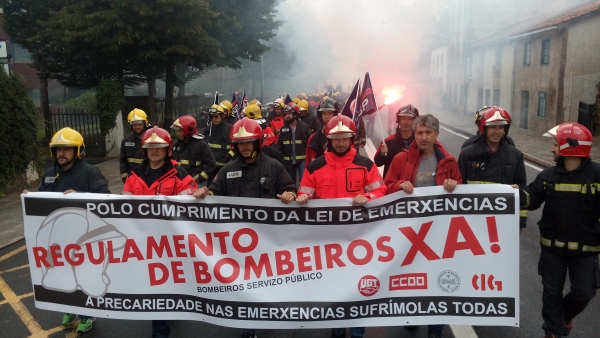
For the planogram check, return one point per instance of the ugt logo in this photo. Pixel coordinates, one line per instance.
(368, 285)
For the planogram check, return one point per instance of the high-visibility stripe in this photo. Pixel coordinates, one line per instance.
(573, 187)
(205, 175)
(545, 241)
(124, 175)
(581, 143)
(374, 185)
(527, 199)
(135, 160)
(195, 177)
(214, 145)
(306, 190)
(523, 213)
(231, 153)
(184, 162)
(198, 163)
(480, 182)
(299, 157)
(559, 244)
(220, 164)
(290, 142)
(590, 248)
(573, 245)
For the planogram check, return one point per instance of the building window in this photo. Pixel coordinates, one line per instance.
(487, 97)
(541, 104)
(545, 52)
(496, 97)
(527, 54)
(524, 122)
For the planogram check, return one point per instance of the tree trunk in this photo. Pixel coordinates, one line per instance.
(169, 92)
(151, 79)
(45, 103)
(181, 102)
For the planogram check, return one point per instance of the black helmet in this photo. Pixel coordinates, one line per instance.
(409, 111)
(328, 104)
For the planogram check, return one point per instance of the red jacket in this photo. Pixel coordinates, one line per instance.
(175, 181)
(277, 123)
(404, 167)
(332, 176)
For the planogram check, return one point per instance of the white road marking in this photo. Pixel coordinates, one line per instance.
(532, 166)
(463, 331)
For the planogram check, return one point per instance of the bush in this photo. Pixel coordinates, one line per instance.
(109, 101)
(19, 124)
(86, 100)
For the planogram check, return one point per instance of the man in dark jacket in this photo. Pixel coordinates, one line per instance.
(317, 142)
(292, 141)
(131, 147)
(569, 228)
(311, 120)
(251, 174)
(217, 137)
(400, 141)
(69, 174)
(190, 150)
(491, 159)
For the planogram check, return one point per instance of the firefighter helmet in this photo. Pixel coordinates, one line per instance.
(296, 100)
(156, 137)
(479, 113)
(302, 96)
(408, 111)
(327, 103)
(253, 112)
(69, 138)
(574, 139)
(246, 130)
(226, 107)
(303, 105)
(291, 108)
(187, 123)
(256, 102)
(278, 103)
(216, 109)
(494, 116)
(340, 126)
(137, 116)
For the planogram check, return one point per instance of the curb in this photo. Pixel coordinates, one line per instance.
(526, 156)
(12, 241)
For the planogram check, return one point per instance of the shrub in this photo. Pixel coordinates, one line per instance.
(86, 100)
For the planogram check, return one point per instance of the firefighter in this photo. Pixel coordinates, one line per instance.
(159, 174)
(254, 112)
(569, 227)
(131, 146)
(191, 151)
(69, 174)
(339, 163)
(311, 120)
(399, 141)
(361, 136)
(217, 137)
(278, 119)
(228, 111)
(491, 159)
(475, 138)
(292, 141)
(426, 163)
(317, 142)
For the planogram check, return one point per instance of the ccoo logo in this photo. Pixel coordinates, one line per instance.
(368, 285)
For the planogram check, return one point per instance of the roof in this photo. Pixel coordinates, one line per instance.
(539, 22)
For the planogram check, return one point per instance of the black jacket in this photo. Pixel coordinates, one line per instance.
(131, 156)
(569, 221)
(312, 122)
(477, 137)
(81, 177)
(395, 144)
(195, 157)
(272, 180)
(217, 138)
(285, 140)
(478, 165)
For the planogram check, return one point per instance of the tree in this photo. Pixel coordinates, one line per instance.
(18, 130)
(21, 22)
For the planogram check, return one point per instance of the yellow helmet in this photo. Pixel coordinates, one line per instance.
(302, 96)
(253, 112)
(296, 100)
(136, 116)
(216, 109)
(226, 105)
(256, 102)
(279, 103)
(68, 137)
(303, 104)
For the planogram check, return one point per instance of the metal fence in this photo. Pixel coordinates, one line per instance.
(86, 122)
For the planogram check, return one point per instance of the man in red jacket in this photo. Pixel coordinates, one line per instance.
(159, 174)
(426, 163)
(341, 172)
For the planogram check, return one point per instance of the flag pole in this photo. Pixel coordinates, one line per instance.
(381, 128)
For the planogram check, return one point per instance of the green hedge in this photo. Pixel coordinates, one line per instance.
(19, 123)
(109, 101)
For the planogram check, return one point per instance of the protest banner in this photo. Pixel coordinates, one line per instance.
(425, 258)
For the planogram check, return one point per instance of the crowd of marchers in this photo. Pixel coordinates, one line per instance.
(308, 150)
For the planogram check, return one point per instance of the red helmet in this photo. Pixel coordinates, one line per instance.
(246, 130)
(340, 126)
(187, 123)
(494, 116)
(291, 107)
(156, 137)
(574, 139)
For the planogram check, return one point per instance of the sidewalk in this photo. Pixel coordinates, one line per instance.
(535, 147)
(11, 212)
